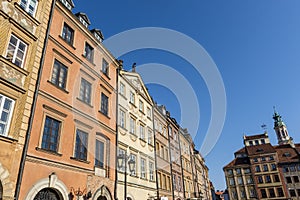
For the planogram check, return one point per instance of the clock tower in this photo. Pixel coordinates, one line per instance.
(281, 130)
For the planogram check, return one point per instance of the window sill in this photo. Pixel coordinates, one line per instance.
(104, 114)
(90, 61)
(80, 160)
(141, 111)
(62, 89)
(149, 118)
(7, 139)
(71, 45)
(131, 103)
(84, 102)
(48, 151)
(105, 74)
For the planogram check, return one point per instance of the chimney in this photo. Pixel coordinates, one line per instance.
(133, 67)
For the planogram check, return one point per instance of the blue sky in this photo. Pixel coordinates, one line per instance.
(255, 45)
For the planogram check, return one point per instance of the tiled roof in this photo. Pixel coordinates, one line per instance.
(238, 161)
(253, 137)
(286, 153)
(242, 150)
(260, 149)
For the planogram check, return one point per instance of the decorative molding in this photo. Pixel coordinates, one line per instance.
(54, 111)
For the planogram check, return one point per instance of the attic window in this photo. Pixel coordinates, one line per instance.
(287, 154)
(98, 37)
(259, 150)
(83, 21)
(67, 4)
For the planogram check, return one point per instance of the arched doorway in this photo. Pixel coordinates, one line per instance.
(1, 191)
(48, 194)
(102, 198)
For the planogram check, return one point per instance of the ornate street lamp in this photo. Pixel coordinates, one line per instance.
(121, 159)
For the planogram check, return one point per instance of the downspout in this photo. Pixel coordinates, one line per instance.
(182, 175)
(155, 159)
(193, 175)
(171, 166)
(117, 128)
(25, 149)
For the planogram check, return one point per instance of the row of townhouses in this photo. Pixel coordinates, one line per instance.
(261, 170)
(75, 125)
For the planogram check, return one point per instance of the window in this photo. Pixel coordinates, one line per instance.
(256, 142)
(273, 166)
(288, 179)
(276, 178)
(243, 194)
(229, 171)
(238, 171)
(132, 98)
(99, 154)
(260, 179)
(141, 106)
(6, 110)
(151, 171)
(133, 172)
(104, 104)
(255, 160)
(89, 52)
(142, 132)
(286, 169)
(263, 193)
(240, 181)
(122, 118)
(296, 179)
(85, 91)
(179, 183)
(148, 112)
(68, 34)
(271, 192)
(249, 180)
(298, 192)
(263, 158)
(132, 126)
(268, 179)
(263, 141)
(164, 181)
(174, 182)
(51, 134)
(280, 192)
(105, 67)
(257, 168)
(122, 89)
(231, 181)
(292, 192)
(292, 168)
(251, 143)
(265, 168)
(121, 152)
(150, 137)
(16, 51)
(81, 145)
(29, 6)
(59, 74)
(271, 157)
(143, 168)
(252, 193)
(67, 4)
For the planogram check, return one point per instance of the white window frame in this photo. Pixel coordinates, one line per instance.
(142, 131)
(25, 4)
(122, 89)
(122, 118)
(151, 171)
(143, 168)
(16, 49)
(10, 112)
(132, 125)
(132, 97)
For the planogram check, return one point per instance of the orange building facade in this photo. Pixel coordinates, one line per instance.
(71, 152)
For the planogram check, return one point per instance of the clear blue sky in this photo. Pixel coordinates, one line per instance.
(254, 43)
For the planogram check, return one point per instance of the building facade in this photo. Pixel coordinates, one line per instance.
(135, 139)
(22, 34)
(263, 171)
(73, 135)
(163, 165)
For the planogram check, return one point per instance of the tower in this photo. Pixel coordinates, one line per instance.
(281, 129)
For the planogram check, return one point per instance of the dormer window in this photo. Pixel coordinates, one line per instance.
(83, 21)
(98, 34)
(287, 154)
(68, 4)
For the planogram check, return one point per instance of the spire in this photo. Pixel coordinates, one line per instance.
(281, 129)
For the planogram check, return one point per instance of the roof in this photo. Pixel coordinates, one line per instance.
(238, 161)
(260, 149)
(287, 154)
(98, 32)
(253, 137)
(242, 150)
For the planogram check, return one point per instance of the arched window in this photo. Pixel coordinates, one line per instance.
(129, 198)
(47, 194)
(102, 198)
(1, 190)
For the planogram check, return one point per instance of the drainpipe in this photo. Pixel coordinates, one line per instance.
(182, 175)
(155, 159)
(25, 149)
(170, 160)
(117, 128)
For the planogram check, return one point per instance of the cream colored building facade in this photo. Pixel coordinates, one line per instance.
(135, 138)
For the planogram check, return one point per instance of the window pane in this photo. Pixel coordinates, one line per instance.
(99, 154)
(51, 134)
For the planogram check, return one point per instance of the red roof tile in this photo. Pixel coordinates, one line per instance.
(260, 149)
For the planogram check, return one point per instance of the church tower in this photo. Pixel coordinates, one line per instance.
(281, 130)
